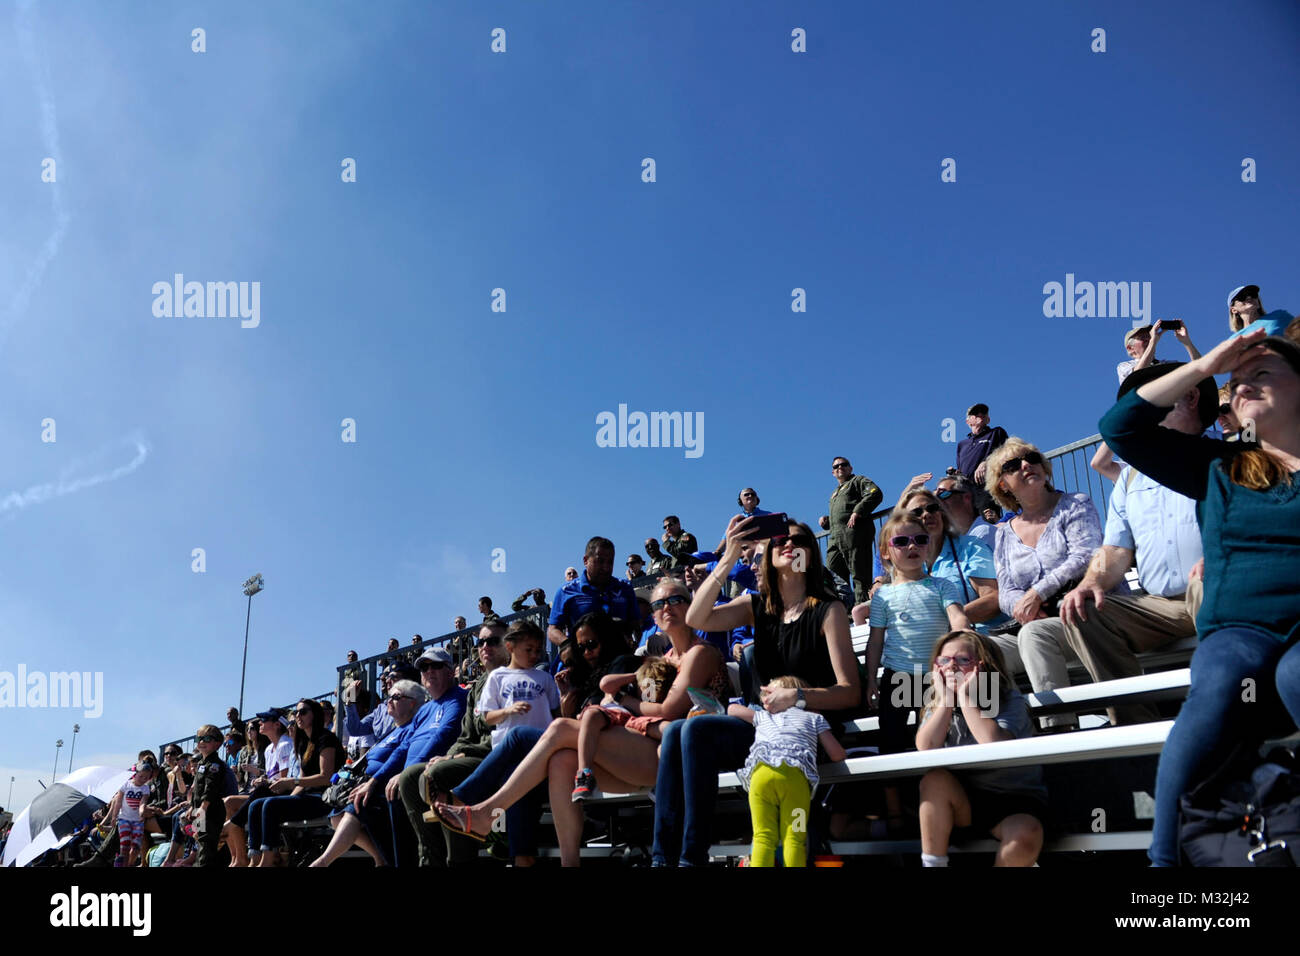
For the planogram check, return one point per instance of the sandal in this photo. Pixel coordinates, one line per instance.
(451, 820)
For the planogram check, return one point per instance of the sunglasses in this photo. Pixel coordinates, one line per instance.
(667, 602)
(944, 494)
(1225, 409)
(208, 739)
(490, 642)
(432, 665)
(799, 540)
(961, 661)
(901, 541)
(1028, 458)
(590, 645)
(924, 510)
(843, 464)
(394, 698)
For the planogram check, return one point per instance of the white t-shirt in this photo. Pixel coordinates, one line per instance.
(508, 685)
(133, 798)
(278, 756)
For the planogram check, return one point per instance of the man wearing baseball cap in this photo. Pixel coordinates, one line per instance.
(1246, 312)
(979, 444)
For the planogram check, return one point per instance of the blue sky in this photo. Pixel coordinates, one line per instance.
(476, 429)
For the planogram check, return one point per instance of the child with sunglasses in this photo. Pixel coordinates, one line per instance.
(907, 617)
(973, 701)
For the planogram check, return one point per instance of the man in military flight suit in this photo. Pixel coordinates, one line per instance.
(852, 533)
(207, 810)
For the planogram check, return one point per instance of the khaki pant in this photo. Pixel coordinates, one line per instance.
(1126, 625)
(1040, 652)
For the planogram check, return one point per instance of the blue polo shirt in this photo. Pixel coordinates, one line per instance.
(580, 596)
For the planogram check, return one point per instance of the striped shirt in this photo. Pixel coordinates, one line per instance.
(914, 615)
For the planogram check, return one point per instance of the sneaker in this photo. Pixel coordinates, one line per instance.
(584, 784)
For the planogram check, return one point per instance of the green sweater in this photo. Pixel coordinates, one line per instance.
(1251, 538)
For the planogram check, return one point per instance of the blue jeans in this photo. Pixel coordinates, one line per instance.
(1214, 718)
(267, 815)
(691, 756)
(496, 768)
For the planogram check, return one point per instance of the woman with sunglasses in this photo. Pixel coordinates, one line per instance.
(319, 754)
(1248, 500)
(801, 628)
(625, 759)
(598, 642)
(960, 558)
(1041, 554)
(972, 699)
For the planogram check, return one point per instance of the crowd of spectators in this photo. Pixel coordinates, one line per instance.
(740, 658)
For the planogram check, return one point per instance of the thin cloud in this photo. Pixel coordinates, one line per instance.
(67, 485)
(39, 66)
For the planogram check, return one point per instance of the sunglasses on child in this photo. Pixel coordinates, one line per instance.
(961, 661)
(901, 541)
(671, 601)
(1028, 458)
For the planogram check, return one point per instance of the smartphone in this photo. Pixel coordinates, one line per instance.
(1169, 325)
(768, 526)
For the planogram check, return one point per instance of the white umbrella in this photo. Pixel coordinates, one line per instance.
(37, 832)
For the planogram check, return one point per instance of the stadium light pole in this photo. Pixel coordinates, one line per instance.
(58, 745)
(10, 801)
(76, 729)
(251, 587)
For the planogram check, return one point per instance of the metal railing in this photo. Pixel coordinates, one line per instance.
(1071, 471)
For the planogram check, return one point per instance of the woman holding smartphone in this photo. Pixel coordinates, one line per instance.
(1248, 496)
(800, 629)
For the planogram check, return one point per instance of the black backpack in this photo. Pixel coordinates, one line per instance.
(1247, 814)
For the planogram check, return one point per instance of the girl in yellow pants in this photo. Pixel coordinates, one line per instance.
(781, 775)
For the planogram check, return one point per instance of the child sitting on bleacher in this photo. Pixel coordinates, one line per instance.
(972, 700)
(652, 679)
(907, 616)
(781, 775)
(519, 694)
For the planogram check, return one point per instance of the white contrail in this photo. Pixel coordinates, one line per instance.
(50, 140)
(37, 494)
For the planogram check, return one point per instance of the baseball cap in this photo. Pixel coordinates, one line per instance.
(1131, 334)
(274, 715)
(1242, 290)
(436, 654)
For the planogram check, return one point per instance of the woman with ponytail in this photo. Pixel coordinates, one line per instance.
(1248, 502)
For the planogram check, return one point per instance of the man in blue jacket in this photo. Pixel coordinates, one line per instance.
(426, 729)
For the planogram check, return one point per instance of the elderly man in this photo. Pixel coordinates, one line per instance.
(975, 448)
(376, 725)
(423, 733)
(1157, 528)
(849, 552)
(438, 848)
(958, 498)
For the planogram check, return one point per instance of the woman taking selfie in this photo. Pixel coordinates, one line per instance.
(800, 629)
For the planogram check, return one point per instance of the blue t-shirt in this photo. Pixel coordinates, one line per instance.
(974, 560)
(914, 615)
(1274, 322)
